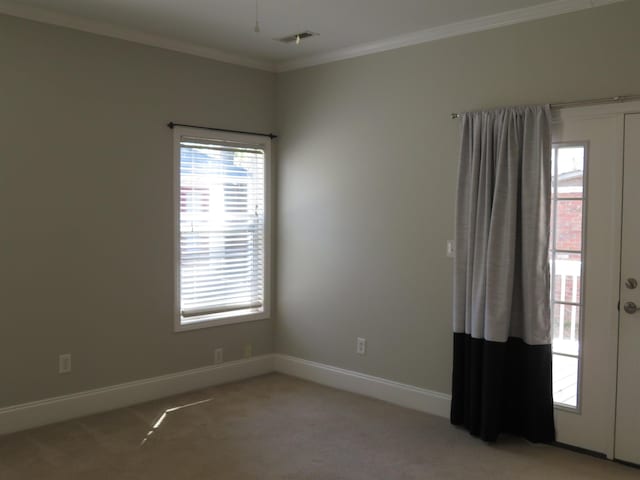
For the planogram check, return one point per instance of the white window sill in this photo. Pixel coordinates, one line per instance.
(208, 321)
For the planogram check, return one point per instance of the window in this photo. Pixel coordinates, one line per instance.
(566, 257)
(222, 234)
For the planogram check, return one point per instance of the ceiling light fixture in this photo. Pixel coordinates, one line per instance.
(297, 37)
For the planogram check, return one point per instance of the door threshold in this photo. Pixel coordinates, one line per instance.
(592, 453)
(627, 464)
(584, 451)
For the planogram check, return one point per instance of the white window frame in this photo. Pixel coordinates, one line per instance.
(262, 142)
(583, 254)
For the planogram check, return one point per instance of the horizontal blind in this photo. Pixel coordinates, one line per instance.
(222, 228)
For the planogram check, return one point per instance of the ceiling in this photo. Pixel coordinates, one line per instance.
(224, 29)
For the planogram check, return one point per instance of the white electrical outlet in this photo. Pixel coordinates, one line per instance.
(64, 363)
(361, 346)
(248, 350)
(218, 356)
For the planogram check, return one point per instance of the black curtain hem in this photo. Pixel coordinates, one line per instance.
(502, 387)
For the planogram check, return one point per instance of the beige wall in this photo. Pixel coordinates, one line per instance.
(366, 188)
(86, 206)
(368, 160)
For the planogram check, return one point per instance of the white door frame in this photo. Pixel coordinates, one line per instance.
(618, 111)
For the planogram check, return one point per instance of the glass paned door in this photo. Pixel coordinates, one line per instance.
(584, 268)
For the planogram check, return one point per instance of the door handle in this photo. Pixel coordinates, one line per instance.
(630, 307)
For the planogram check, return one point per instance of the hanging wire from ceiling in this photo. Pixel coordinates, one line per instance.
(297, 7)
(257, 27)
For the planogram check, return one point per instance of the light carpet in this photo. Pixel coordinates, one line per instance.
(279, 427)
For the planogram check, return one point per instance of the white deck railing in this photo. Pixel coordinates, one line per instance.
(567, 274)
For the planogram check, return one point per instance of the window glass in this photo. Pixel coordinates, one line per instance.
(566, 265)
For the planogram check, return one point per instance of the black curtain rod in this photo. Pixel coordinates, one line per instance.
(582, 103)
(270, 135)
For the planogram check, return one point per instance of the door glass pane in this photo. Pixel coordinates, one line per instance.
(568, 225)
(567, 280)
(566, 329)
(565, 380)
(570, 172)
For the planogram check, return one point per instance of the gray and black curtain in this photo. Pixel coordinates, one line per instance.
(502, 334)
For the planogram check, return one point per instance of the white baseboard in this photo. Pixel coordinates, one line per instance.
(57, 409)
(408, 396)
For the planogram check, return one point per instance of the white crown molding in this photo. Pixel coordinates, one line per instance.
(108, 30)
(557, 7)
(58, 409)
(408, 396)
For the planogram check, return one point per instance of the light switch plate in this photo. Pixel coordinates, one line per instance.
(451, 248)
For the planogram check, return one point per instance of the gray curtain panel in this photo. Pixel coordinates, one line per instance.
(502, 325)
